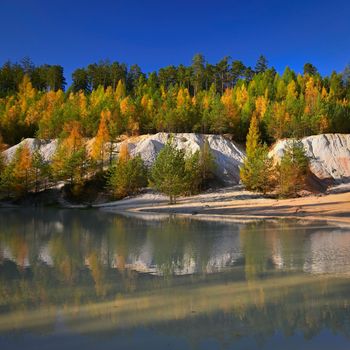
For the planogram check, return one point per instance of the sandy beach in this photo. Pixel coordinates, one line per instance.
(235, 203)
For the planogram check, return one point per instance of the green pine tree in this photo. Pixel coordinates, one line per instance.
(42, 171)
(168, 173)
(293, 169)
(127, 177)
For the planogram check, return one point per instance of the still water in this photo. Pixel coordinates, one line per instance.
(97, 280)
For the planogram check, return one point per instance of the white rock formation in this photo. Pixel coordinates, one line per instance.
(46, 147)
(329, 155)
(228, 155)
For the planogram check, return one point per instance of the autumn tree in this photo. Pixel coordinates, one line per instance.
(101, 139)
(120, 91)
(23, 169)
(70, 160)
(2, 158)
(257, 170)
(2, 166)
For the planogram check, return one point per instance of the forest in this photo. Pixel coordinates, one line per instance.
(201, 97)
(106, 100)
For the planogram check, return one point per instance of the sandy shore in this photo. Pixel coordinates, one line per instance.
(235, 203)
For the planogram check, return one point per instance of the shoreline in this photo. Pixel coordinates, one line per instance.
(237, 205)
(230, 204)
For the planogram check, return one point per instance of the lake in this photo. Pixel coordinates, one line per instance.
(98, 280)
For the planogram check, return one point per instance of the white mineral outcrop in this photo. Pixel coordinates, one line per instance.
(228, 155)
(46, 147)
(329, 153)
(329, 156)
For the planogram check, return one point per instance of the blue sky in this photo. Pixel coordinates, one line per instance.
(156, 33)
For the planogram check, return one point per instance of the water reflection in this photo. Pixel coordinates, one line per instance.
(89, 272)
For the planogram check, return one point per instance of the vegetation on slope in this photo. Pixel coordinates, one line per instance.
(107, 100)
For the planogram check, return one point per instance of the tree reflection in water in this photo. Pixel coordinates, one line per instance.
(101, 273)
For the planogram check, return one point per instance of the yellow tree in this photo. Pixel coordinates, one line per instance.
(26, 94)
(231, 114)
(279, 124)
(261, 104)
(256, 172)
(311, 96)
(183, 108)
(241, 96)
(124, 154)
(10, 120)
(315, 117)
(120, 91)
(128, 111)
(70, 160)
(44, 113)
(148, 112)
(2, 160)
(102, 137)
(23, 170)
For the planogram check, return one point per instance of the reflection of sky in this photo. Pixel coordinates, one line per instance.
(329, 253)
(321, 250)
(150, 339)
(214, 297)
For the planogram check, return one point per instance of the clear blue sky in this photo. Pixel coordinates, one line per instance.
(155, 33)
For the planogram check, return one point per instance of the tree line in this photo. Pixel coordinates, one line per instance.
(205, 98)
(108, 100)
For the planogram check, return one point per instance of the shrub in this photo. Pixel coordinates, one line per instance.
(127, 177)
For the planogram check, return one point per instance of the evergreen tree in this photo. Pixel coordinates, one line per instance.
(41, 170)
(310, 69)
(199, 167)
(198, 72)
(207, 163)
(293, 169)
(223, 72)
(261, 65)
(7, 180)
(237, 71)
(127, 176)
(80, 80)
(193, 176)
(168, 172)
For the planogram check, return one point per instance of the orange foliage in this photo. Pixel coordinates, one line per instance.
(124, 154)
(261, 103)
(102, 137)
